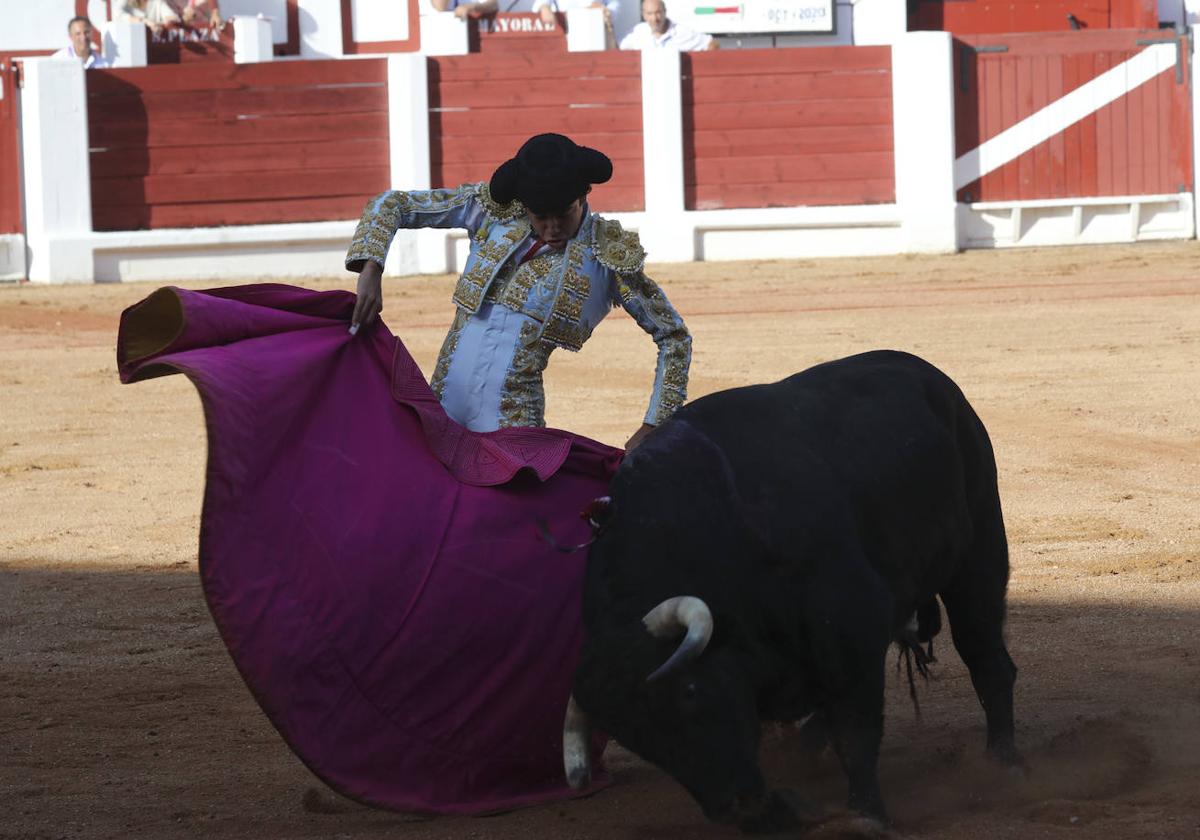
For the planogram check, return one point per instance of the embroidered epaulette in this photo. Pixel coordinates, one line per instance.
(504, 212)
(617, 249)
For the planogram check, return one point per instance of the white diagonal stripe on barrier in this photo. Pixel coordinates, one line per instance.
(1062, 113)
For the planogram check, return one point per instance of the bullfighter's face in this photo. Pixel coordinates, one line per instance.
(557, 229)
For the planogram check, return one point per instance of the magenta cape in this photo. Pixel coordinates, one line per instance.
(375, 569)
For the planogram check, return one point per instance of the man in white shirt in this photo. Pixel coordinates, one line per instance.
(80, 31)
(656, 31)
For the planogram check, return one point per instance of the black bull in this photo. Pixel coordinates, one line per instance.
(807, 522)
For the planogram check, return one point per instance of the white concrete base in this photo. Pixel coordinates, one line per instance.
(252, 40)
(717, 235)
(12, 257)
(1080, 221)
(252, 252)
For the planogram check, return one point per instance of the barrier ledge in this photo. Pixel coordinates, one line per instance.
(268, 252)
(741, 233)
(1091, 220)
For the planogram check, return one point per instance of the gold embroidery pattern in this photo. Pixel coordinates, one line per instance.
(438, 382)
(617, 249)
(382, 217)
(516, 292)
(645, 301)
(468, 293)
(503, 212)
(564, 327)
(523, 402)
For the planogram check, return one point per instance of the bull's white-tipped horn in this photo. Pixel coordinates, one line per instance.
(673, 616)
(577, 735)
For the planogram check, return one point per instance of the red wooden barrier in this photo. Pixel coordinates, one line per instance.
(779, 128)
(1139, 144)
(10, 149)
(200, 145)
(482, 107)
(976, 17)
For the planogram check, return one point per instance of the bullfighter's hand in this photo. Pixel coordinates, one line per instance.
(546, 14)
(463, 12)
(370, 296)
(638, 436)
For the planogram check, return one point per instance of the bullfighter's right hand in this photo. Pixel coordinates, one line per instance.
(370, 296)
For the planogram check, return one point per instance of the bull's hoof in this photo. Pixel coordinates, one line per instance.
(781, 810)
(1008, 756)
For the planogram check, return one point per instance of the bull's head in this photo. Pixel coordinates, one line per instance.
(686, 705)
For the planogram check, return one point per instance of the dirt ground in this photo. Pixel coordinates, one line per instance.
(122, 716)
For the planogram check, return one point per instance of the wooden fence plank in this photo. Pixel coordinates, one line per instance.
(493, 94)
(813, 193)
(233, 186)
(807, 60)
(188, 160)
(488, 122)
(208, 132)
(221, 76)
(832, 166)
(778, 87)
(142, 216)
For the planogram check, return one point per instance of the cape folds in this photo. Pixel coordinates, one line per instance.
(375, 569)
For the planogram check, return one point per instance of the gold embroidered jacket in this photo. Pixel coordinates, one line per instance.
(563, 295)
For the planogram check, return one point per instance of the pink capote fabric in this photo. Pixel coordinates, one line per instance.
(375, 569)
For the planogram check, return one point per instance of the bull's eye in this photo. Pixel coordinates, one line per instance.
(689, 691)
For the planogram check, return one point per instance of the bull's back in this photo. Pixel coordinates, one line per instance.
(880, 449)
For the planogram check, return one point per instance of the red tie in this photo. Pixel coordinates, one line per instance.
(533, 249)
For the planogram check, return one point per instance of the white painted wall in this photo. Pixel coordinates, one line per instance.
(376, 21)
(274, 11)
(57, 178)
(35, 24)
(1193, 22)
(252, 40)
(320, 28)
(923, 140)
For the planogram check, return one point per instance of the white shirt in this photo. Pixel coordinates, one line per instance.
(677, 37)
(94, 59)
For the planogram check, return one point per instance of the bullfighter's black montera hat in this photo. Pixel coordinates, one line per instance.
(548, 173)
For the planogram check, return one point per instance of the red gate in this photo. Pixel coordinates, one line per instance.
(1072, 115)
(10, 165)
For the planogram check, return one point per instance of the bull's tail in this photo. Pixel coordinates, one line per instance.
(920, 630)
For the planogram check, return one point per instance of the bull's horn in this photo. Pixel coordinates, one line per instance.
(671, 617)
(577, 736)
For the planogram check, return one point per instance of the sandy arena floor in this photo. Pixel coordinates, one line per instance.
(121, 715)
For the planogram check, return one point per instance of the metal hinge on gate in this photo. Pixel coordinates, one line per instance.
(1149, 42)
(967, 50)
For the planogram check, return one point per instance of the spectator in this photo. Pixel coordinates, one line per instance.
(204, 13)
(79, 29)
(657, 30)
(547, 8)
(463, 8)
(154, 13)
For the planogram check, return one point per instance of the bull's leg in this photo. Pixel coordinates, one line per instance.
(856, 726)
(975, 605)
